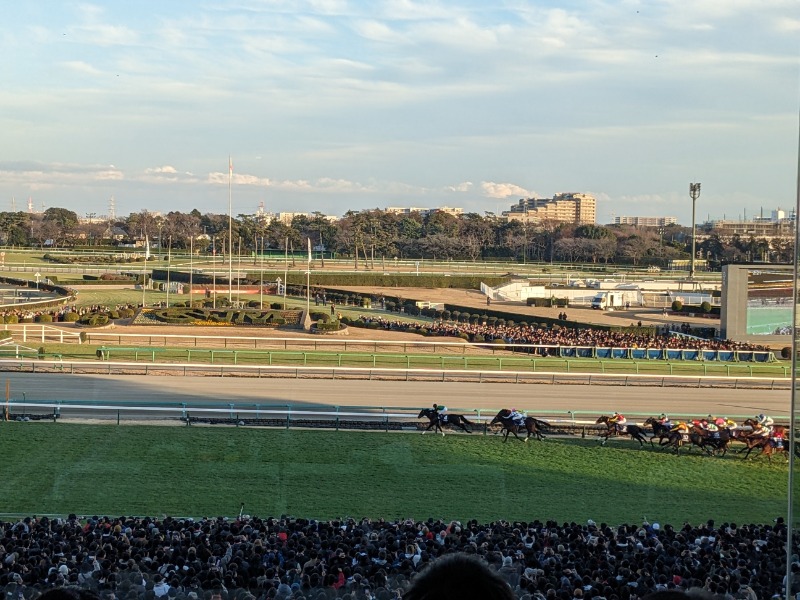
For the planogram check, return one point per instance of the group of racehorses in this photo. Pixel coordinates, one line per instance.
(711, 442)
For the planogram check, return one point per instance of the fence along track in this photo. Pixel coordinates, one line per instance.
(391, 374)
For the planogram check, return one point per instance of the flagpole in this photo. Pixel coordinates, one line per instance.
(230, 230)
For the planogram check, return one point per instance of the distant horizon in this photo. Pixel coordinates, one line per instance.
(333, 105)
(103, 216)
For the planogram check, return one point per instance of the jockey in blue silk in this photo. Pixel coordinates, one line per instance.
(516, 416)
(764, 420)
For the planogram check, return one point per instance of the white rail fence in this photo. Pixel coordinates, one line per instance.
(26, 365)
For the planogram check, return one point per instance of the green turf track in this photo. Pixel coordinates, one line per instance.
(389, 360)
(58, 468)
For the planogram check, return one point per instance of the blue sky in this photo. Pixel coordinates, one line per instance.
(332, 105)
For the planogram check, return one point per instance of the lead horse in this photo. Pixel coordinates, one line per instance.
(532, 426)
(636, 432)
(437, 420)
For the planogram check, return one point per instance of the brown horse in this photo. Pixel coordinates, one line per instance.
(712, 442)
(437, 420)
(636, 432)
(532, 426)
(777, 430)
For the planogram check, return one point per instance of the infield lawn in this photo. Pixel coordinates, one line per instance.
(52, 468)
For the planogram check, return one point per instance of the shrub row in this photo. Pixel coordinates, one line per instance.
(704, 307)
(188, 315)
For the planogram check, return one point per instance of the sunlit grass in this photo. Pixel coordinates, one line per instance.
(194, 471)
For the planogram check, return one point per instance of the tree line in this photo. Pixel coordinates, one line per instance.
(380, 235)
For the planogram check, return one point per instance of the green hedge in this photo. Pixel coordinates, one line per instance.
(327, 326)
(245, 317)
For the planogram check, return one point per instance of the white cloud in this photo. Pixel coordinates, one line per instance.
(464, 186)
(504, 190)
(79, 66)
(164, 169)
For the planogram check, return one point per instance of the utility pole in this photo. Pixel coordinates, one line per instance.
(694, 194)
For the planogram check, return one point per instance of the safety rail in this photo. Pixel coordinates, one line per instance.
(287, 415)
(43, 333)
(395, 374)
(442, 361)
(688, 354)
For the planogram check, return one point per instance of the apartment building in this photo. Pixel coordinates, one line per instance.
(646, 221)
(580, 209)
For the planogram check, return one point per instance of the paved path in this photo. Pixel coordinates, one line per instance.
(532, 397)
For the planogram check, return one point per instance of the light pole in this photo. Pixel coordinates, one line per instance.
(261, 269)
(37, 275)
(694, 194)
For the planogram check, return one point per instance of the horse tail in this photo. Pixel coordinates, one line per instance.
(467, 421)
(540, 423)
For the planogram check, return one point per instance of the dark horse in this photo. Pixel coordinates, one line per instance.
(532, 426)
(437, 420)
(636, 432)
(660, 431)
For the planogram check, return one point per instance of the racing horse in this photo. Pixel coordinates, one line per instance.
(437, 420)
(778, 430)
(532, 426)
(711, 442)
(767, 445)
(636, 432)
(677, 439)
(660, 431)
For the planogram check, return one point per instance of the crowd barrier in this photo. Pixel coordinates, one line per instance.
(759, 356)
(731, 375)
(305, 416)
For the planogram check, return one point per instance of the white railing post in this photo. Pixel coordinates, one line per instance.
(24, 333)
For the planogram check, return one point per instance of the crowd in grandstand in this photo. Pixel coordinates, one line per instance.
(284, 558)
(59, 314)
(563, 335)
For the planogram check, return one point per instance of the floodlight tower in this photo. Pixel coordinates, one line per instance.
(694, 194)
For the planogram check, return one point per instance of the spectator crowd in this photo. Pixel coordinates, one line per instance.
(563, 335)
(58, 314)
(134, 558)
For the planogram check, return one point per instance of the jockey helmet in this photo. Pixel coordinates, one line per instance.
(435, 406)
(663, 415)
(513, 410)
(760, 417)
